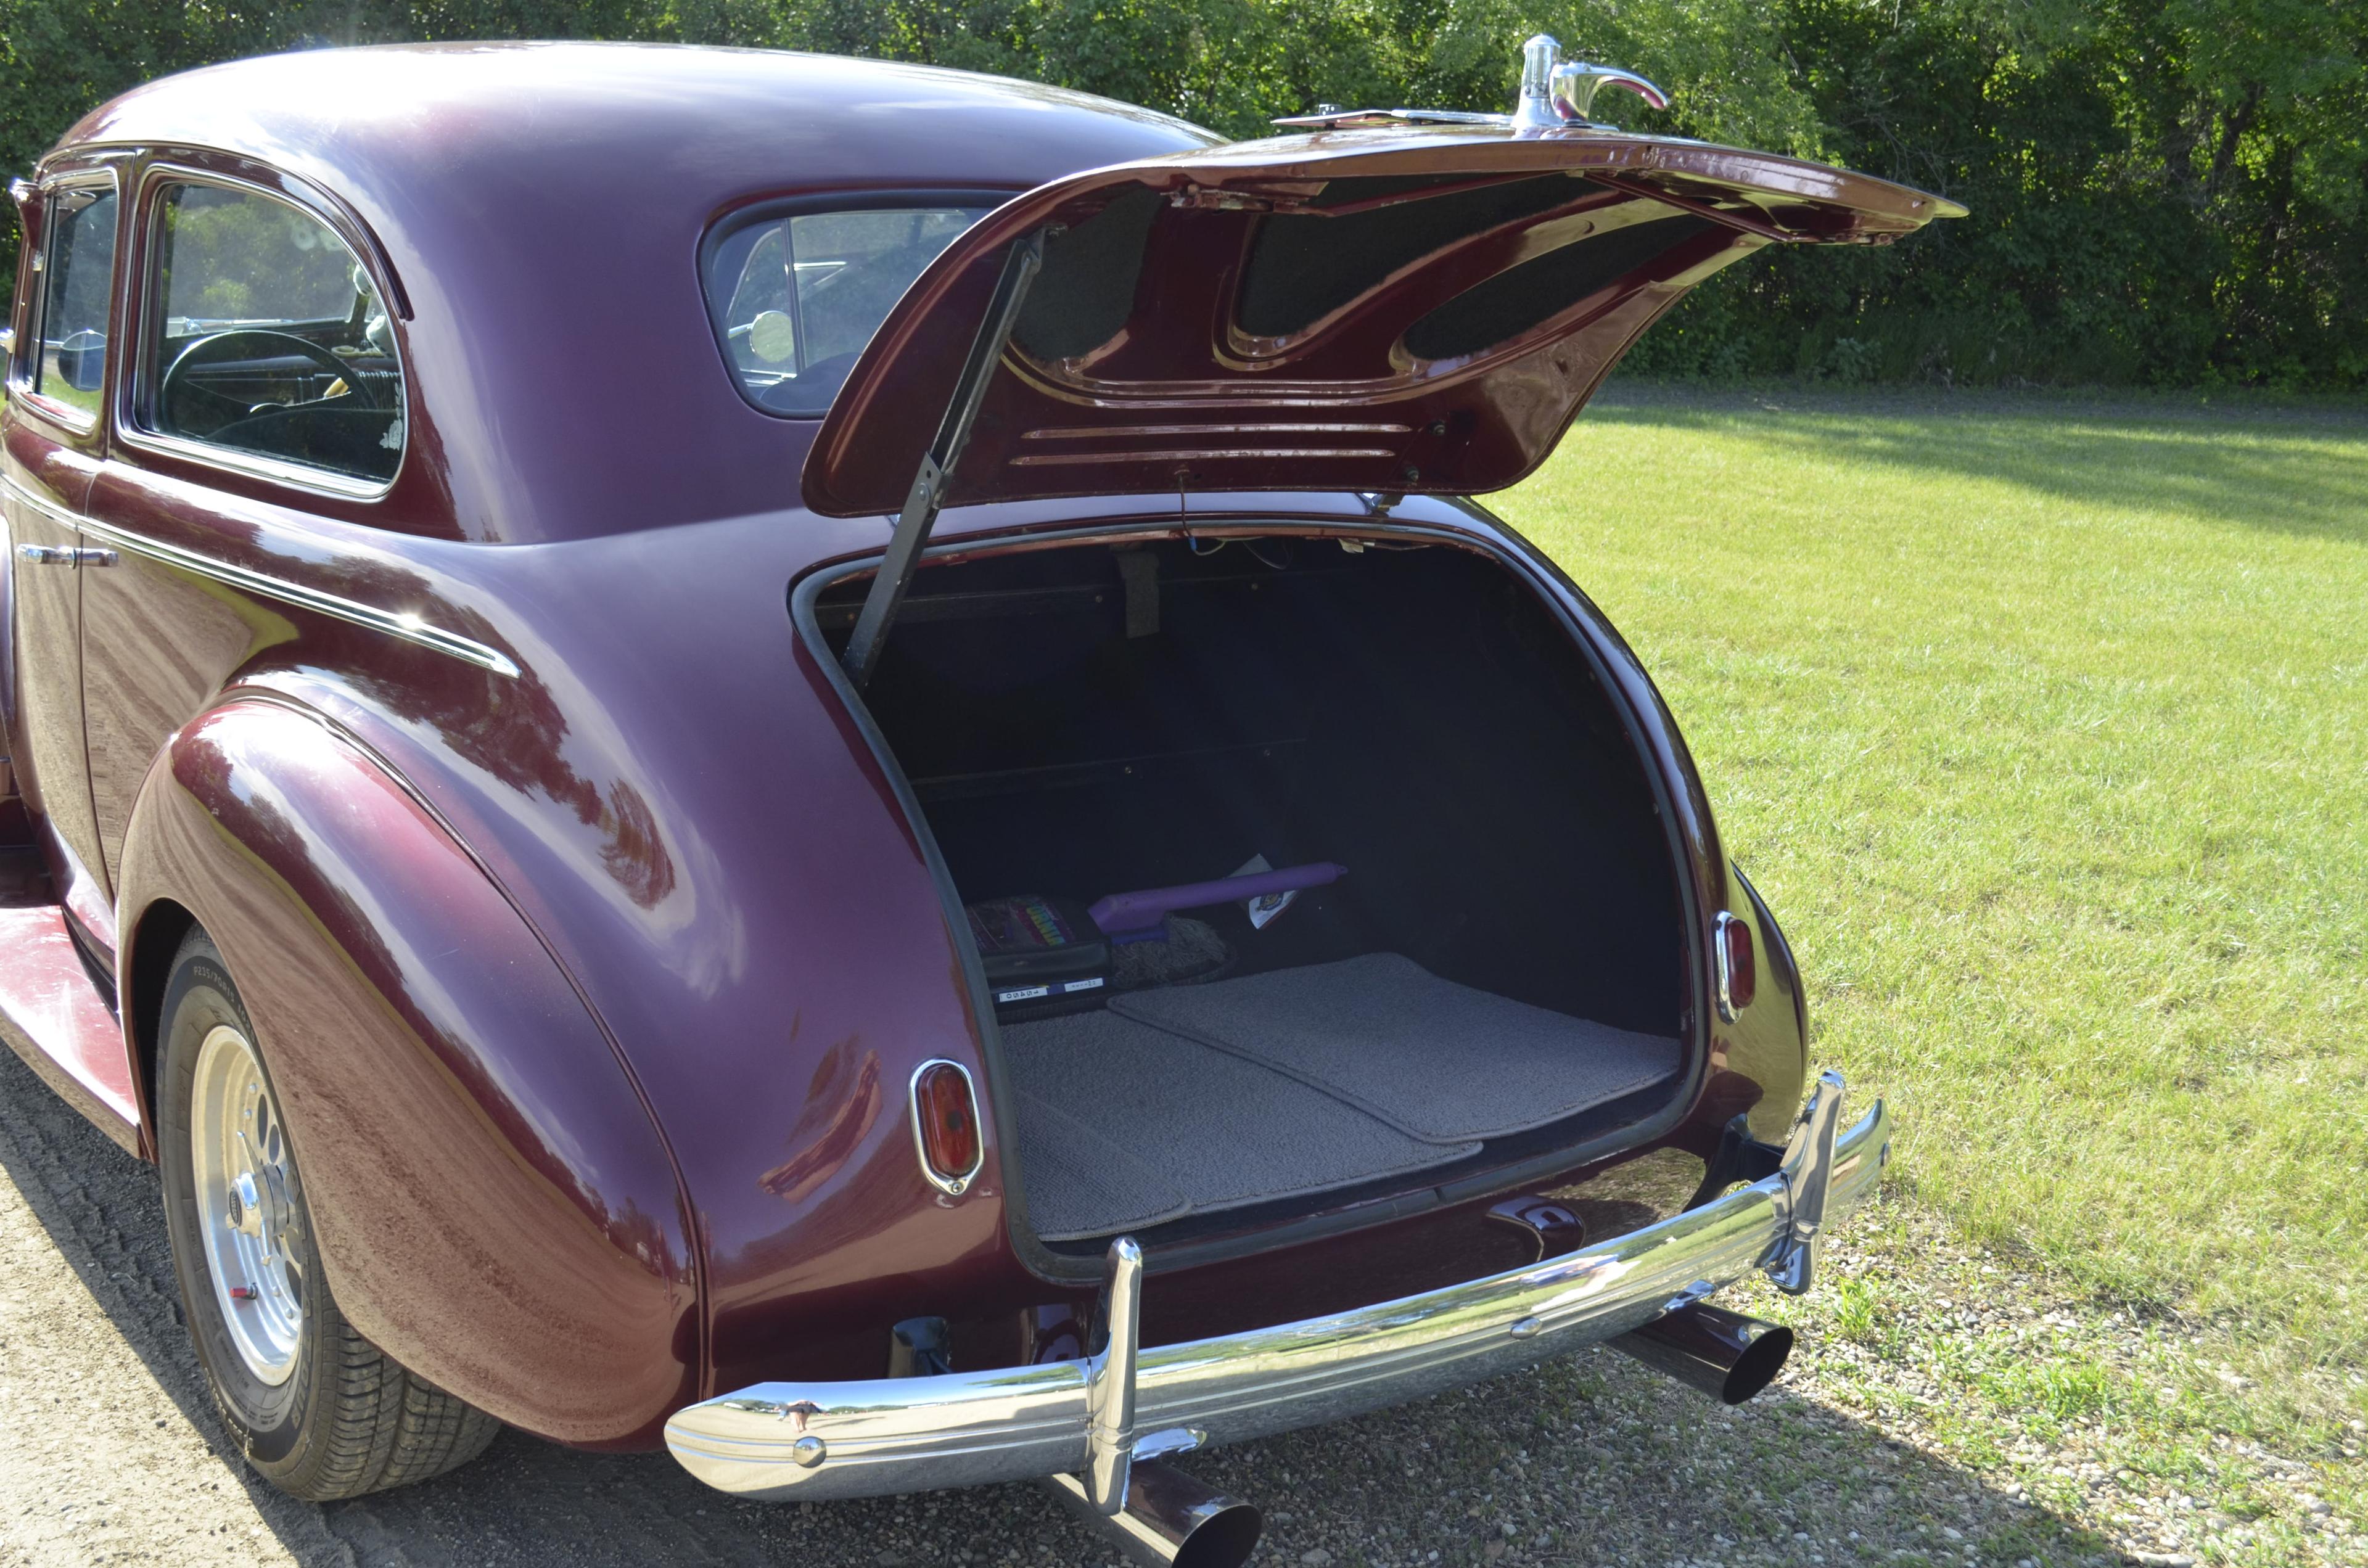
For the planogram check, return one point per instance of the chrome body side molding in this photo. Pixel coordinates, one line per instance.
(808, 1441)
(406, 626)
(63, 556)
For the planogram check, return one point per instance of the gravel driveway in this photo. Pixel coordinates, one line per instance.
(112, 1457)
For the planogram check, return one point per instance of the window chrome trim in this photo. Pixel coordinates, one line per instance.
(229, 460)
(884, 199)
(404, 625)
(64, 416)
(147, 299)
(22, 366)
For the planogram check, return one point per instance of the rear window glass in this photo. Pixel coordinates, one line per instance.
(795, 297)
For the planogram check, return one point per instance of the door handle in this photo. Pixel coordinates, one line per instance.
(65, 555)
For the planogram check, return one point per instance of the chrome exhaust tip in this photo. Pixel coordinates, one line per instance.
(1724, 1355)
(1170, 1520)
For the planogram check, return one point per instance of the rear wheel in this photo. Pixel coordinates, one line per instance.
(317, 1409)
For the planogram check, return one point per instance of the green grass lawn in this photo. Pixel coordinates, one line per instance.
(2043, 727)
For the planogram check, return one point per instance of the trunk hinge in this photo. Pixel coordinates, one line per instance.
(927, 495)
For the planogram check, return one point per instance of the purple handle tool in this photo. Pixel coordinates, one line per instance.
(1125, 915)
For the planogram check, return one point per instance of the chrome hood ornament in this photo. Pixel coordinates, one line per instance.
(1554, 93)
(1557, 91)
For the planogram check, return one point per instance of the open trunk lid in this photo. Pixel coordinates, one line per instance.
(1413, 308)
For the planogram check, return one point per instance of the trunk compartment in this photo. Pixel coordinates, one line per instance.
(1498, 973)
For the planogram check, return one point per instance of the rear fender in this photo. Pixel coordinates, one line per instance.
(1760, 1057)
(495, 1205)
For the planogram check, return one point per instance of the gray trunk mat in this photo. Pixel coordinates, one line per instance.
(1434, 1060)
(1122, 1125)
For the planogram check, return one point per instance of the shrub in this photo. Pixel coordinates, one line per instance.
(2164, 192)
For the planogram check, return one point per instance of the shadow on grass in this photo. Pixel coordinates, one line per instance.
(1590, 1459)
(2304, 474)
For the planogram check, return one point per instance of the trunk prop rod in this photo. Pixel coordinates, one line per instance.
(927, 494)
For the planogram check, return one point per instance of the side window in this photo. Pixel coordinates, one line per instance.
(797, 298)
(78, 269)
(272, 340)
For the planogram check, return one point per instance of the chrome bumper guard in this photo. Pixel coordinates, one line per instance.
(1092, 1419)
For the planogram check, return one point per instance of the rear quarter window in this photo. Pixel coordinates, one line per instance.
(795, 295)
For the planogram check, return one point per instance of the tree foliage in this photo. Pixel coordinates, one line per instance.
(2163, 191)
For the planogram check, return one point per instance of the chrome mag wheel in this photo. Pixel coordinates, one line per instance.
(246, 1208)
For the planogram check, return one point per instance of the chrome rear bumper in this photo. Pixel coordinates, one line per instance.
(808, 1441)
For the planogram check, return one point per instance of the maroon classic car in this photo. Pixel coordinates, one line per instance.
(818, 761)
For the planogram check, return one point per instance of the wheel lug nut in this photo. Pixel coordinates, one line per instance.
(244, 1205)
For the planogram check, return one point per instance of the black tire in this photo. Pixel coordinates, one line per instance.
(347, 1419)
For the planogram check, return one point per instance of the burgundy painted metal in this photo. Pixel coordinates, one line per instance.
(1179, 393)
(53, 452)
(592, 992)
(54, 1019)
(494, 1205)
(1552, 1228)
(581, 335)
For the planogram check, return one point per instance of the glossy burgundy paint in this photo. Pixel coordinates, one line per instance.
(537, 208)
(494, 1205)
(1178, 392)
(54, 1018)
(592, 992)
(1760, 1060)
(54, 462)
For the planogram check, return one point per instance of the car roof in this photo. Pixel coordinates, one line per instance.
(543, 205)
(717, 119)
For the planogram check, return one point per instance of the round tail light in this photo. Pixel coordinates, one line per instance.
(945, 1126)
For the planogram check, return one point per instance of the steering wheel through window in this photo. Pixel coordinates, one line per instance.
(274, 342)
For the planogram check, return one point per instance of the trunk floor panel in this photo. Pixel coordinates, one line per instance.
(1125, 1126)
(1194, 1099)
(1432, 1059)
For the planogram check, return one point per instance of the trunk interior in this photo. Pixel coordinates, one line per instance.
(1496, 973)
